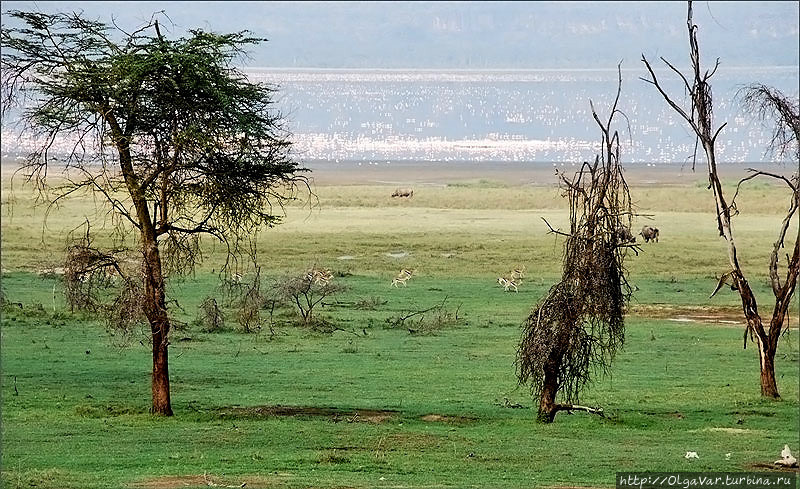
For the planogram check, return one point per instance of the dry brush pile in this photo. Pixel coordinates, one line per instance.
(577, 328)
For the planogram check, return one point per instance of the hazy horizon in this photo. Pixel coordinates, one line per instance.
(473, 35)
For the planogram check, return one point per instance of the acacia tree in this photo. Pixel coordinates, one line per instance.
(168, 133)
(763, 101)
(578, 327)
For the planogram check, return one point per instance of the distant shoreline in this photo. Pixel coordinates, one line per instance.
(440, 173)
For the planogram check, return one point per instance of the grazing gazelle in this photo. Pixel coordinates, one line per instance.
(518, 274)
(320, 276)
(403, 277)
(507, 284)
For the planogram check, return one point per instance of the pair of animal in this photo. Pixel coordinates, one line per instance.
(403, 277)
(516, 279)
(649, 233)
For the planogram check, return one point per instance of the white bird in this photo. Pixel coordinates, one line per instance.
(690, 455)
(727, 456)
(788, 460)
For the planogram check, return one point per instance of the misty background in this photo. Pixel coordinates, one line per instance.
(474, 35)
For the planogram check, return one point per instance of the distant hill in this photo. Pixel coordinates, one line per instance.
(478, 35)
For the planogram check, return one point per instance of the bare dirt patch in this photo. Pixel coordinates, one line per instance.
(171, 482)
(734, 431)
(725, 316)
(332, 413)
(204, 480)
(443, 418)
(773, 467)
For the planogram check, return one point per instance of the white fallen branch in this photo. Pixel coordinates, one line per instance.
(788, 459)
(574, 407)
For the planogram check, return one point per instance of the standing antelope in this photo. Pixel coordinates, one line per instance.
(403, 277)
(518, 274)
(507, 284)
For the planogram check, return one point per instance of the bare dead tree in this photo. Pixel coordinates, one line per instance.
(250, 302)
(427, 321)
(210, 316)
(575, 331)
(699, 117)
(305, 293)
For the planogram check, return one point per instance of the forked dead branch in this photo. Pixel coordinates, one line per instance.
(575, 331)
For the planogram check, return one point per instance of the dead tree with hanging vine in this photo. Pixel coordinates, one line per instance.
(762, 102)
(575, 331)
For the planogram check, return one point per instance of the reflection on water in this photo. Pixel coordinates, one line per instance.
(500, 116)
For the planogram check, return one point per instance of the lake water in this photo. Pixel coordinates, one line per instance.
(538, 116)
(532, 116)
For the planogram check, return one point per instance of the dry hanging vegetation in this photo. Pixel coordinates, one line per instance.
(88, 273)
(579, 326)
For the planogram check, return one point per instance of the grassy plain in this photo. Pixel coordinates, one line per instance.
(375, 406)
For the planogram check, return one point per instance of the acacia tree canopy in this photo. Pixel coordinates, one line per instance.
(208, 151)
(172, 136)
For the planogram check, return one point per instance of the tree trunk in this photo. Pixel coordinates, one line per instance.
(160, 382)
(154, 303)
(547, 399)
(769, 388)
(766, 346)
(155, 309)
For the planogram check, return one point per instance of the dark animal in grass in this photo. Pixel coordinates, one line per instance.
(624, 235)
(649, 233)
(403, 192)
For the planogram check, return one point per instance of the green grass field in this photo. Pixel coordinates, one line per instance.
(374, 406)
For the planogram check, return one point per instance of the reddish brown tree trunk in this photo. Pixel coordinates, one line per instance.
(160, 382)
(156, 312)
(155, 298)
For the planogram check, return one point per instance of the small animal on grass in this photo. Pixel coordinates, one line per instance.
(624, 235)
(507, 284)
(518, 274)
(403, 192)
(403, 277)
(649, 233)
(320, 276)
